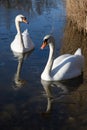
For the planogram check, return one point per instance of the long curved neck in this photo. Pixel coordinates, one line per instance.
(17, 24)
(50, 59)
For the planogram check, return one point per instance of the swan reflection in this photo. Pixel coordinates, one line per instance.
(58, 90)
(18, 82)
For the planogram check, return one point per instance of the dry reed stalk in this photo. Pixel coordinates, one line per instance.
(77, 13)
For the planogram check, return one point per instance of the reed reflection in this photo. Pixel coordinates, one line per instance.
(30, 5)
(17, 4)
(59, 90)
(18, 82)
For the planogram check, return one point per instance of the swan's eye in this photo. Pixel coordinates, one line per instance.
(46, 40)
(23, 18)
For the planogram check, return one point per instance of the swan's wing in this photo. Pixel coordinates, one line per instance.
(16, 44)
(68, 68)
(78, 52)
(59, 59)
(28, 43)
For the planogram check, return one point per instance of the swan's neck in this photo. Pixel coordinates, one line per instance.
(17, 23)
(50, 60)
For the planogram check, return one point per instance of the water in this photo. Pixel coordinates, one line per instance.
(30, 103)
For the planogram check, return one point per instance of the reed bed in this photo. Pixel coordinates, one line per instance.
(77, 13)
(72, 40)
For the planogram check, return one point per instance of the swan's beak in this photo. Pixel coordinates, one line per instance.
(25, 21)
(43, 45)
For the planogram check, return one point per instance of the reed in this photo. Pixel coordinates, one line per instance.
(72, 40)
(77, 13)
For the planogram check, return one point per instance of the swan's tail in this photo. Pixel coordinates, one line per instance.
(78, 52)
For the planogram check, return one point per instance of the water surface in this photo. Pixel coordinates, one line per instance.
(32, 103)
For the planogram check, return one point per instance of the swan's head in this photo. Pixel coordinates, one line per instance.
(48, 39)
(21, 18)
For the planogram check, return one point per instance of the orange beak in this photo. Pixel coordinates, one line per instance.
(25, 21)
(43, 45)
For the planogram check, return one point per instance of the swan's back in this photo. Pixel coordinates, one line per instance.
(28, 44)
(68, 66)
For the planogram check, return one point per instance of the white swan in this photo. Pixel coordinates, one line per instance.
(22, 42)
(64, 67)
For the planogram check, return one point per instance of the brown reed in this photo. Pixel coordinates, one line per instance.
(77, 13)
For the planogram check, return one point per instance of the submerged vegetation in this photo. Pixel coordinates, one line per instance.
(77, 13)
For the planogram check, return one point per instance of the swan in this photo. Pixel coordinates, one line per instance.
(22, 42)
(64, 67)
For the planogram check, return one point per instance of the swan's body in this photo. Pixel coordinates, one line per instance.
(64, 67)
(22, 42)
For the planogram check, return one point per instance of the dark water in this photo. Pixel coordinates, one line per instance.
(29, 103)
